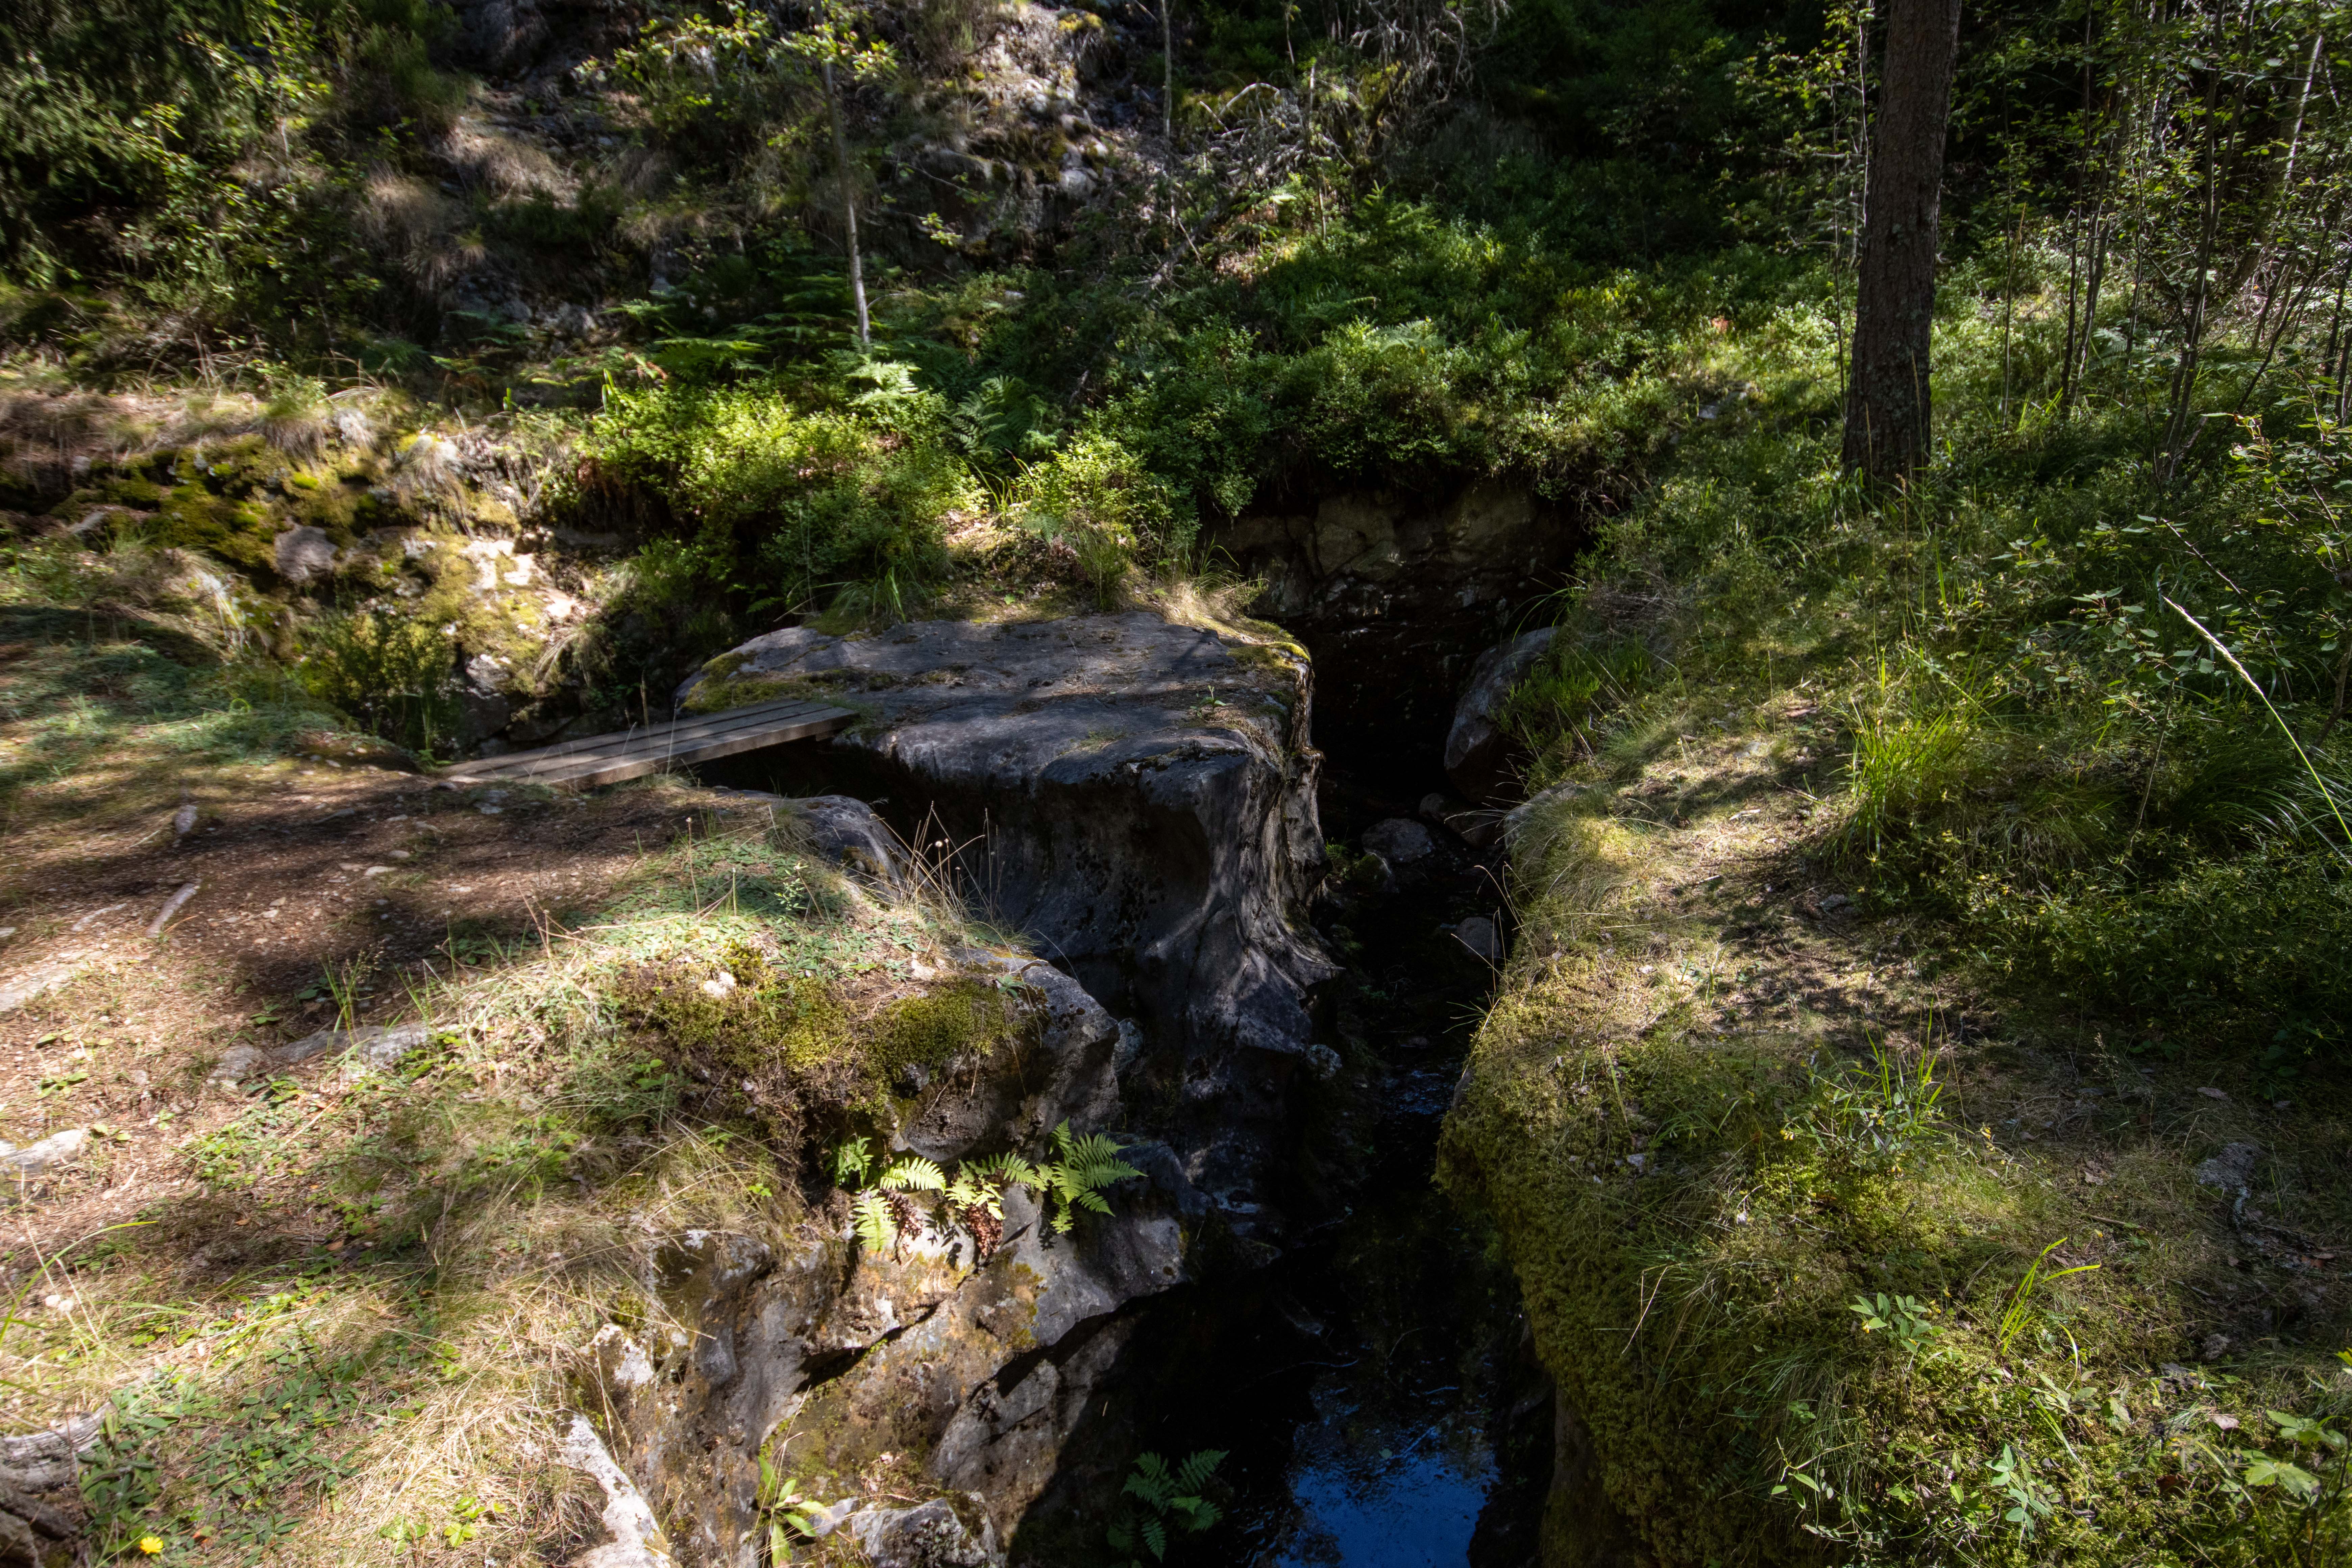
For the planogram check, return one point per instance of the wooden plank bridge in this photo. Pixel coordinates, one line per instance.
(608, 759)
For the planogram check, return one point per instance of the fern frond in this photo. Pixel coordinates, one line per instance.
(876, 1226)
(916, 1174)
(1089, 1162)
(850, 1162)
(1199, 1513)
(1006, 1170)
(1155, 1536)
(1197, 1469)
(1150, 1479)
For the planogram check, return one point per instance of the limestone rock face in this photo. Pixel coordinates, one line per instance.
(985, 1365)
(1396, 595)
(1137, 797)
(847, 832)
(1477, 753)
(928, 1535)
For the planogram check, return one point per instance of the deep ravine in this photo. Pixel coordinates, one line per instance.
(1370, 1387)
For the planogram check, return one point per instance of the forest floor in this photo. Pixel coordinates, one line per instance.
(331, 1307)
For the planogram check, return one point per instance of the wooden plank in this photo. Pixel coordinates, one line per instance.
(614, 770)
(657, 737)
(662, 740)
(608, 759)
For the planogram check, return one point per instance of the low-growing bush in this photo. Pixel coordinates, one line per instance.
(394, 675)
(2247, 947)
(779, 503)
(1095, 496)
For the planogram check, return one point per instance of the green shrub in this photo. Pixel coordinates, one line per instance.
(2249, 948)
(1096, 497)
(787, 504)
(396, 677)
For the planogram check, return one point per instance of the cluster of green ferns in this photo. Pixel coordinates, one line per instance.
(914, 1198)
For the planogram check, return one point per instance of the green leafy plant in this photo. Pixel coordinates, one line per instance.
(785, 1508)
(1171, 1502)
(886, 1205)
(396, 677)
(2011, 1475)
(2301, 1501)
(1076, 1179)
(1902, 1319)
(882, 1204)
(1871, 1116)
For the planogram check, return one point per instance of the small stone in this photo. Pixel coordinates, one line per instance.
(1398, 840)
(35, 1158)
(2216, 1346)
(304, 553)
(824, 1521)
(926, 1536)
(2212, 1093)
(237, 1063)
(1478, 934)
(2232, 1170)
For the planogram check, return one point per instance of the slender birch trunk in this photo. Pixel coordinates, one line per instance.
(848, 206)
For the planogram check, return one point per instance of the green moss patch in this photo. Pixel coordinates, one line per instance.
(788, 1044)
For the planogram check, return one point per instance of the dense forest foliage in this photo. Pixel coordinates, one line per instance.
(2089, 667)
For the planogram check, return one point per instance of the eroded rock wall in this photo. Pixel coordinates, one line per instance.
(1397, 594)
(1136, 799)
(970, 1369)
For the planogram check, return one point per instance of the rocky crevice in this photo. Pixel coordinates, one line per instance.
(1138, 799)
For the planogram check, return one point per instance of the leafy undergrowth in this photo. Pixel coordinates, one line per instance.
(332, 1314)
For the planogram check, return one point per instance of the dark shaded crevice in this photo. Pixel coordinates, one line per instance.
(1373, 1388)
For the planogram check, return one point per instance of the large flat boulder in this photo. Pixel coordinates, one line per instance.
(1137, 797)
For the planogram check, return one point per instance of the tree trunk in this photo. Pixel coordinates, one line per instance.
(848, 206)
(1887, 402)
